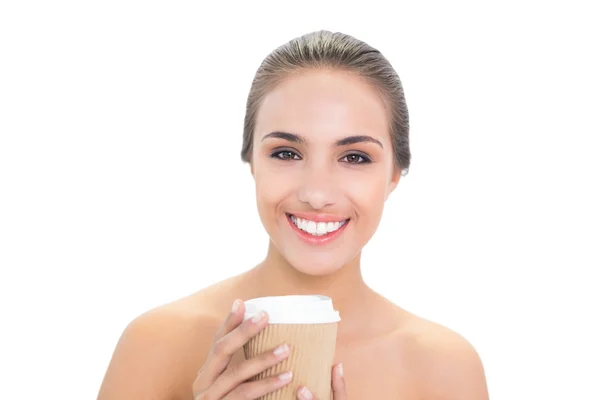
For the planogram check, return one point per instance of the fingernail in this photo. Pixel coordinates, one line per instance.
(286, 376)
(341, 369)
(306, 394)
(236, 306)
(280, 350)
(258, 317)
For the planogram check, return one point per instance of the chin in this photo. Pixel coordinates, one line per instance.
(315, 264)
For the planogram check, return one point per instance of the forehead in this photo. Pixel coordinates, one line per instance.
(322, 106)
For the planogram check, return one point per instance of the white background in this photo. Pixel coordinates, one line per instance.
(121, 186)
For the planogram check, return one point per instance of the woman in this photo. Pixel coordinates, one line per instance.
(326, 138)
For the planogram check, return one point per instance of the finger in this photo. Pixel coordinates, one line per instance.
(338, 385)
(208, 373)
(239, 373)
(304, 394)
(234, 318)
(224, 348)
(256, 389)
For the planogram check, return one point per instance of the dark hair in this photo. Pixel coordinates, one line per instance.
(328, 50)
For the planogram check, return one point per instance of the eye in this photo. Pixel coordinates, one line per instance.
(286, 155)
(356, 159)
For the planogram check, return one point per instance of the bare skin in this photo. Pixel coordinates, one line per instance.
(333, 162)
(407, 357)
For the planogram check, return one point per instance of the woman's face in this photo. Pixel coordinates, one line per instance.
(323, 165)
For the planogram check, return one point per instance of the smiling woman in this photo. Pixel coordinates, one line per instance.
(326, 139)
(322, 152)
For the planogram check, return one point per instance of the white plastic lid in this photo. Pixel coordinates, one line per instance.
(294, 309)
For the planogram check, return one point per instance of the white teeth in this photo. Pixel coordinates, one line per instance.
(311, 227)
(321, 228)
(317, 228)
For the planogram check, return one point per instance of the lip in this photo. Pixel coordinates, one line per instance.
(316, 240)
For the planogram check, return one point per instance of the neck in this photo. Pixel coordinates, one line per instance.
(346, 287)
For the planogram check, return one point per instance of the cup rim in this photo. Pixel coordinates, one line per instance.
(294, 309)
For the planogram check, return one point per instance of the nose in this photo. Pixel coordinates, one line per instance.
(317, 187)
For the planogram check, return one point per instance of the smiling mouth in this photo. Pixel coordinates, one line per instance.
(315, 228)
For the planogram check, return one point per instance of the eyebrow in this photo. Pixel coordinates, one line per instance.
(292, 137)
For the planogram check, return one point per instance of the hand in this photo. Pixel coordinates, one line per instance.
(215, 381)
(337, 385)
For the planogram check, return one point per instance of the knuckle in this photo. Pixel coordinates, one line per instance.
(242, 392)
(253, 366)
(246, 328)
(219, 348)
(201, 396)
(199, 376)
(236, 372)
(267, 358)
(199, 389)
(207, 394)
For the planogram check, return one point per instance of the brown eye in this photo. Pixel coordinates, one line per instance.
(356, 159)
(286, 155)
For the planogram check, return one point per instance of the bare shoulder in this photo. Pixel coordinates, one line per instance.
(159, 352)
(445, 365)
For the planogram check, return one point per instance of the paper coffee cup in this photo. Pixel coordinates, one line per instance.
(308, 323)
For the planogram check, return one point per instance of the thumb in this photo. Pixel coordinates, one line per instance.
(338, 384)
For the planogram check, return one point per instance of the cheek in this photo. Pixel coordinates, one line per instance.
(367, 193)
(272, 187)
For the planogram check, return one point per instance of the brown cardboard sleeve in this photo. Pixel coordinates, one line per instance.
(312, 350)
